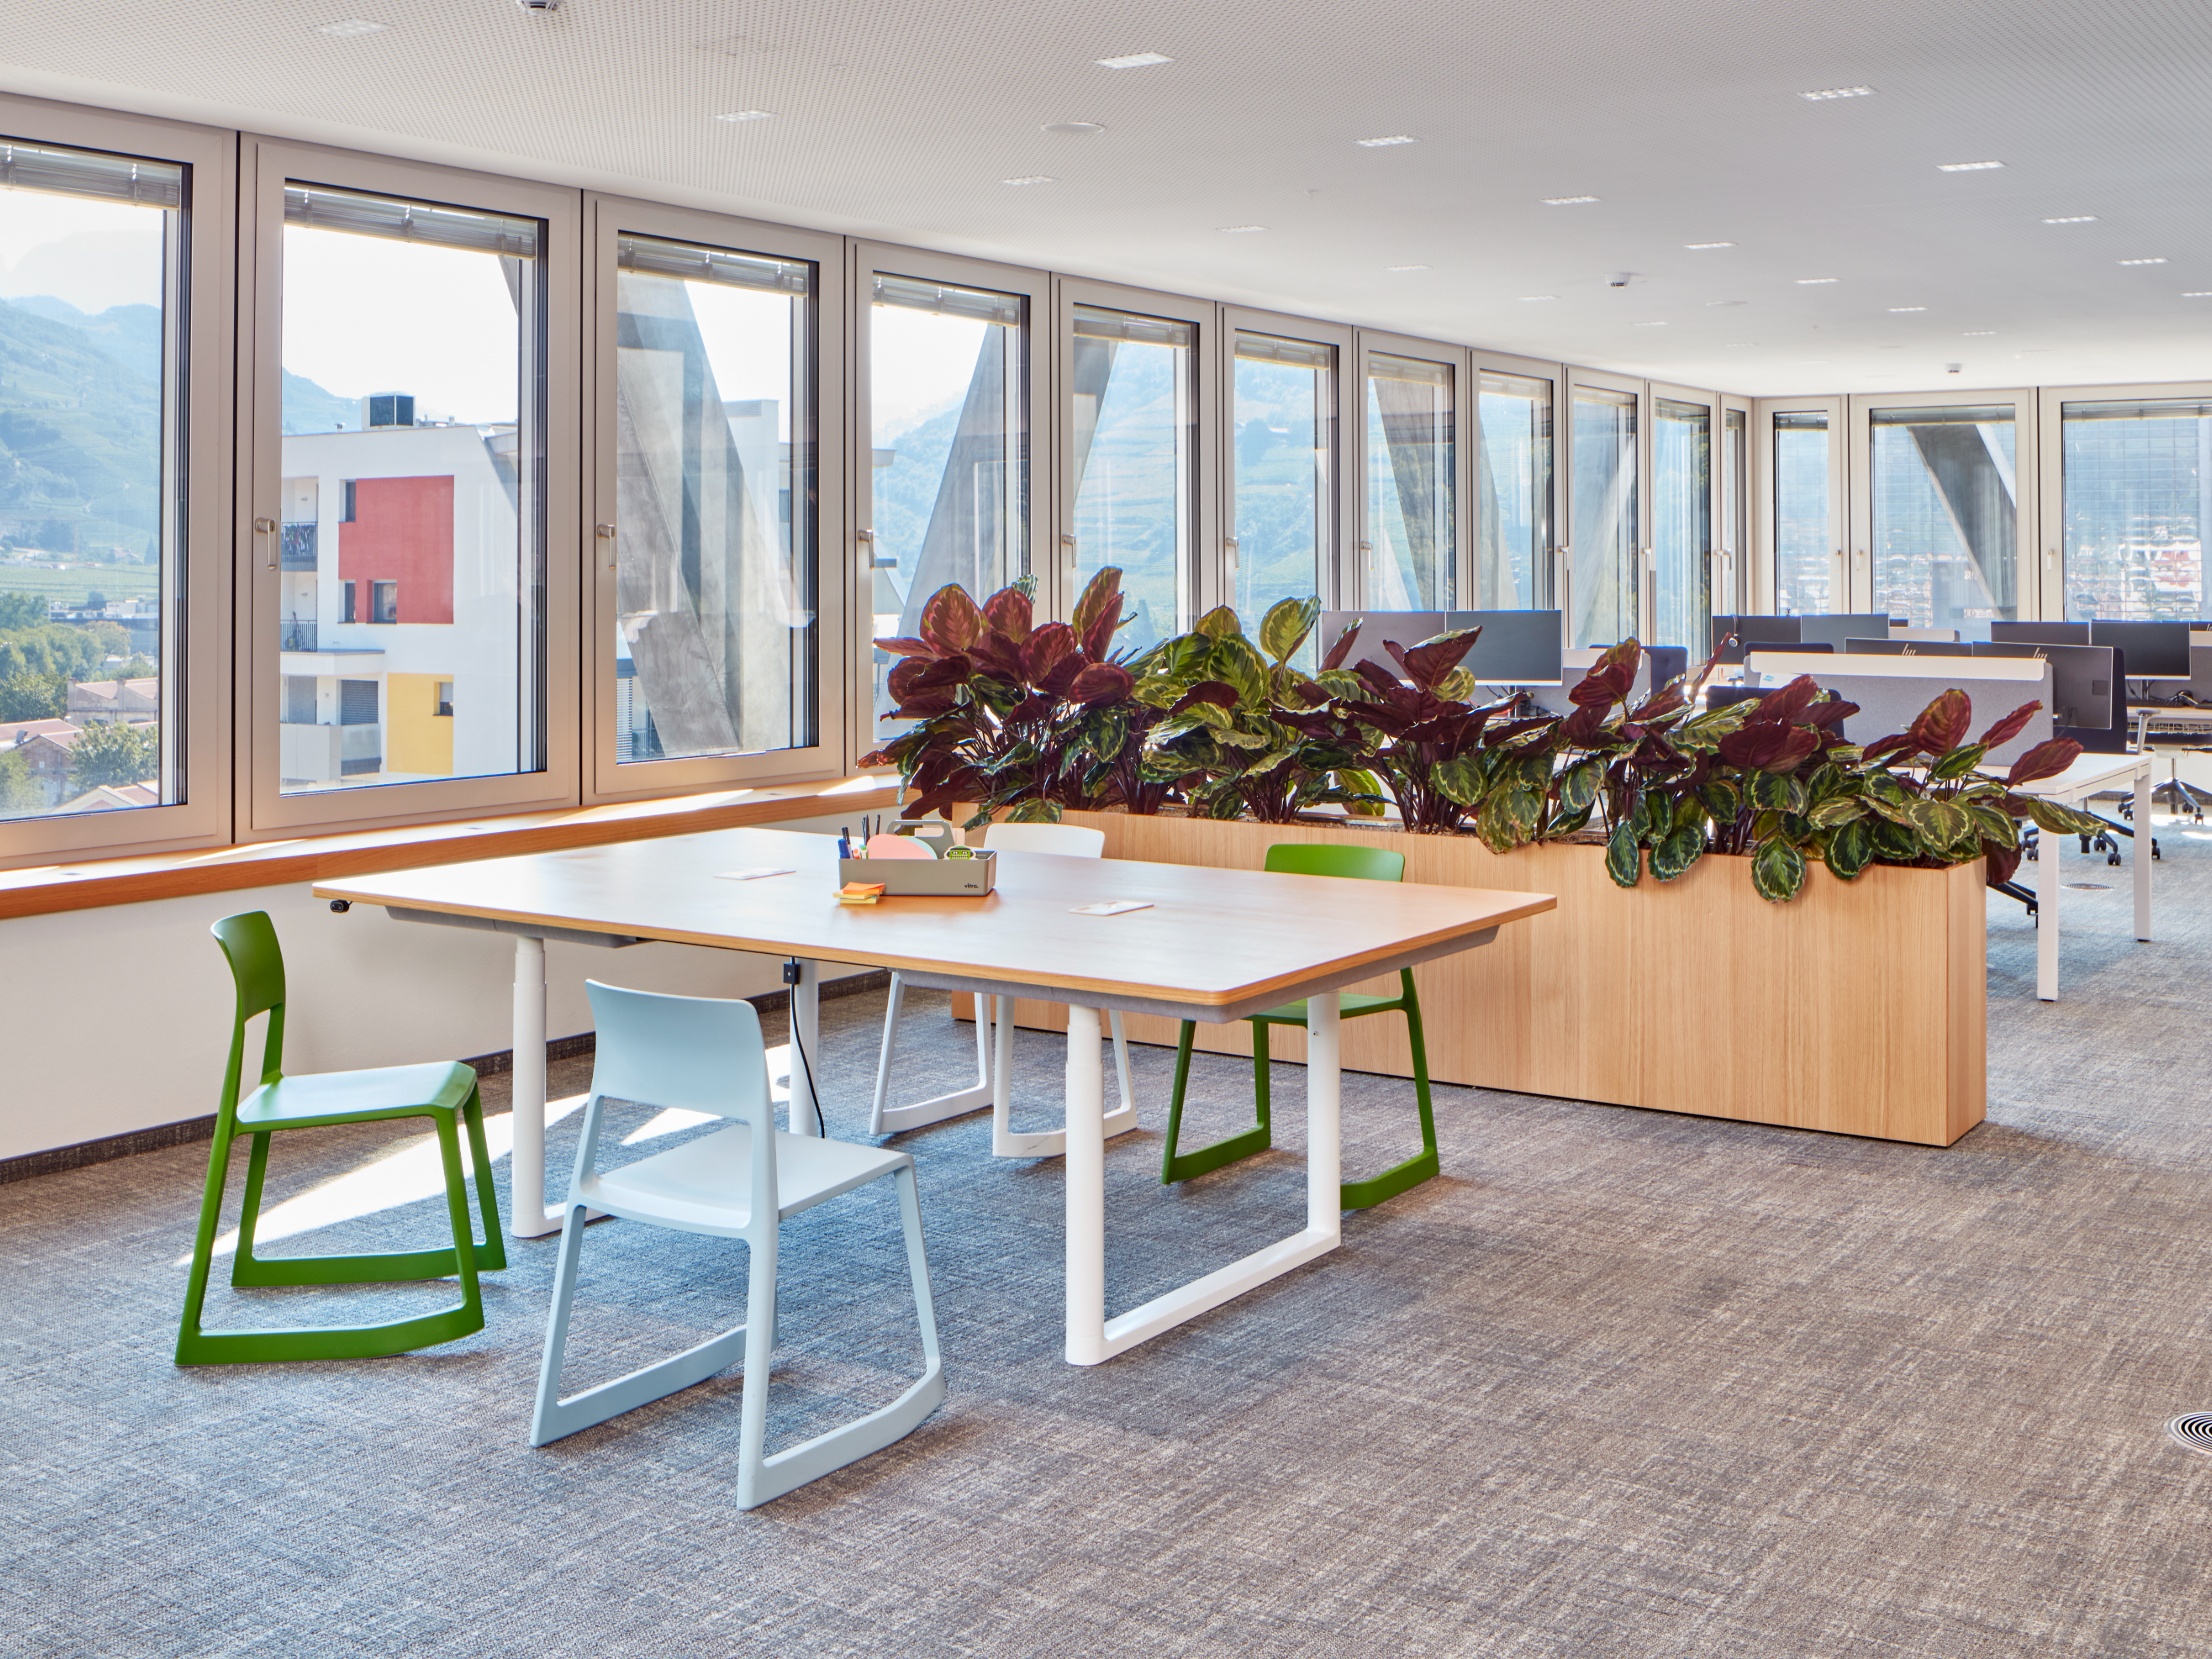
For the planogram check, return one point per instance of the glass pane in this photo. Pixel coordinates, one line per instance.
(1735, 431)
(2138, 479)
(1604, 596)
(1681, 522)
(950, 433)
(715, 563)
(1945, 523)
(1284, 427)
(1411, 496)
(1135, 412)
(90, 548)
(1515, 455)
(412, 537)
(1804, 562)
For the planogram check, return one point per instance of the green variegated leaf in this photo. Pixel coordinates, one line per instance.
(1899, 843)
(1993, 825)
(1219, 623)
(2057, 820)
(1723, 799)
(1623, 858)
(1678, 851)
(1246, 740)
(1850, 848)
(1035, 811)
(1885, 790)
(1777, 871)
(1943, 824)
(1689, 812)
(1775, 792)
(1236, 662)
(1563, 824)
(1286, 624)
(1461, 780)
(1834, 814)
(1959, 763)
(1578, 784)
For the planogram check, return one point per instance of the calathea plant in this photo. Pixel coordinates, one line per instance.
(1007, 715)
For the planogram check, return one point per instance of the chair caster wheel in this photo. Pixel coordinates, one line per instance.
(2113, 859)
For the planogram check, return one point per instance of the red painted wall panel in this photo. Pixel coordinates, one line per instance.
(402, 532)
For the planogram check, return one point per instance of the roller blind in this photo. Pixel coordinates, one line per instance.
(399, 220)
(947, 300)
(762, 272)
(1273, 349)
(88, 172)
(1092, 323)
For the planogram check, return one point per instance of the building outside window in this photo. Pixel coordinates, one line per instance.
(1945, 515)
(1135, 410)
(1283, 430)
(409, 332)
(1411, 492)
(1681, 522)
(1514, 462)
(1804, 565)
(90, 541)
(2136, 478)
(1604, 596)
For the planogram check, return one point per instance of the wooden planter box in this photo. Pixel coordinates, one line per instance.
(1856, 1008)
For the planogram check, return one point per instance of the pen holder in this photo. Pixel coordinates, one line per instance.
(969, 878)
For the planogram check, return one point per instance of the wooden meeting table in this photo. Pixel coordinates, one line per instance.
(1213, 945)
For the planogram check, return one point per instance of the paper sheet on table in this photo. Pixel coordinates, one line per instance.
(1111, 907)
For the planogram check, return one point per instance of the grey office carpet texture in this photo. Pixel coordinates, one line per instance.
(1618, 1383)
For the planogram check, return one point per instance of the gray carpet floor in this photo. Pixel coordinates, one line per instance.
(1618, 1383)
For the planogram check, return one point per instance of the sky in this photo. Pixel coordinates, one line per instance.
(92, 254)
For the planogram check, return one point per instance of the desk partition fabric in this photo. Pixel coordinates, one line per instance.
(1213, 946)
(1891, 691)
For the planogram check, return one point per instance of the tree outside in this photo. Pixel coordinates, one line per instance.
(31, 696)
(115, 754)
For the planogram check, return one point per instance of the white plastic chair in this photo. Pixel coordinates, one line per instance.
(992, 1087)
(703, 1054)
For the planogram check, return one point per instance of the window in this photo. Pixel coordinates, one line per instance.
(1603, 591)
(91, 553)
(1944, 524)
(1514, 459)
(1681, 522)
(714, 590)
(1804, 567)
(1411, 533)
(1736, 502)
(413, 386)
(949, 417)
(2137, 482)
(1284, 427)
(346, 612)
(1134, 420)
(442, 700)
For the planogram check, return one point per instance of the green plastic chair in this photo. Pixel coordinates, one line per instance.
(446, 1094)
(1315, 859)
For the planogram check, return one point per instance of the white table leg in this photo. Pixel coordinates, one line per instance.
(806, 1034)
(1093, 1337)
(1085, 1174)
(2144, 836)
(2049, 848)
(531, 1219)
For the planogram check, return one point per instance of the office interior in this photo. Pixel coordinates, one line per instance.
(470, 431)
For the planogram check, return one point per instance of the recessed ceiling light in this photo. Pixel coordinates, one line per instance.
(1979, 334)
(1739, 345)
(1827, 93)
(346, 27)
(1238, 230)
(2142, 262)
(747, 115)
(1135, 60)
(1405, 267)
(2074, 219)
(1647, 326)
(1072, 129)
(1698, 247)
(1895, 309)
(1385, 143)
(1811, 363)
(1032, 179)
(1567, 201)
(1815, 282)
(2199, 293)
(1728, 302)
(1967, 166)
(1531, 299)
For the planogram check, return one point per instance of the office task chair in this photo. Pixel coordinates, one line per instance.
(445, 1093)
(1311, 859)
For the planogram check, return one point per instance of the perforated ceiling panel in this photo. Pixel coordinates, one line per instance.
(899, 118)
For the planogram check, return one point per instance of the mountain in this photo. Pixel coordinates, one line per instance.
(129, 334)
(308, 408)
(80, 429)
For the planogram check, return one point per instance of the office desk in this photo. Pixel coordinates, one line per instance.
(1216, 945)
(2090, 775)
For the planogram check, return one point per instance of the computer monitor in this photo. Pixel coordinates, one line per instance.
(2155, 650)
(1406, 629)
(1751, 631)
(1908, 649)
(1518, 648)
(2081, 679)
(2038, 633)
(1834, 631)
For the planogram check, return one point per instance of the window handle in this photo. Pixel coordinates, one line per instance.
(606, 533)
(267, 527)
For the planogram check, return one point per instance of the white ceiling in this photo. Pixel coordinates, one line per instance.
(898, 118)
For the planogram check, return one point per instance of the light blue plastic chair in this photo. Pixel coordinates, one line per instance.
(703, 1054)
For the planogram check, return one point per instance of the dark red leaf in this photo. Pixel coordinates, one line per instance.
(2046, 760)
(1046, 648)
(1008, 612)
(1830, 715)
(1428, 665)
(2002, 861)
(1213, 691)
(1342, 648)
(1768, 747)
(904, 648)
(1101, 681)
(1579, 727)
(1943, 725)
(2011, 725)
(1898, 742)
(1787, 703)
(1098, 613)
(951, 621)
(1610, 676)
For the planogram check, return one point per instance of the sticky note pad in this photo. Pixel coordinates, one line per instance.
(1111, 907)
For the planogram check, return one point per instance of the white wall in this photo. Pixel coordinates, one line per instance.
(119, 1018)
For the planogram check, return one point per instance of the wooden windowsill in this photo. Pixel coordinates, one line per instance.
(87, 885)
